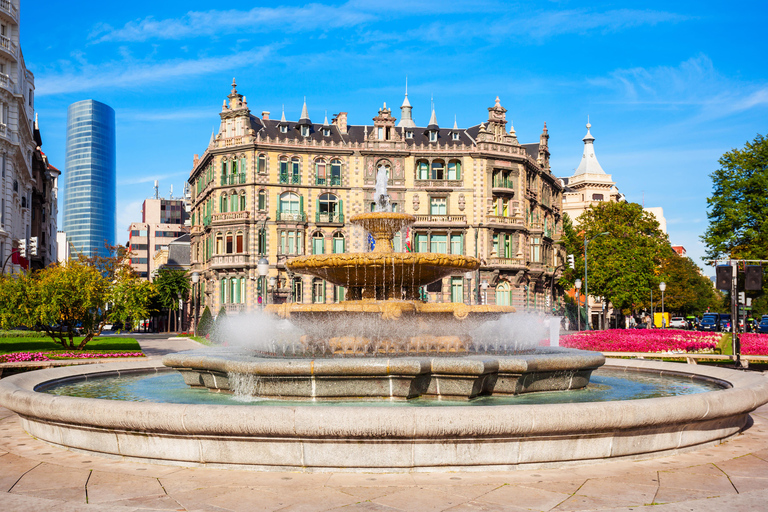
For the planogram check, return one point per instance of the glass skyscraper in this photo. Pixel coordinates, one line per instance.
(90, 193)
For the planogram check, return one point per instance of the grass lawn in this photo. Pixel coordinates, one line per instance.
(38, 344)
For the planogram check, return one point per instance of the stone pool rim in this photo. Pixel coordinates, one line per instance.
(374, 438)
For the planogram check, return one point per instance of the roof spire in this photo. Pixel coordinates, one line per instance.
(455, 125)
(325, 122)
(304, 119)
(282, 119)
(406, 117)
(432, 119)
(589, 163)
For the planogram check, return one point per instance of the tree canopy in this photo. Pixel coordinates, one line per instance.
(82, 296)
(738, 207)
(688, 291)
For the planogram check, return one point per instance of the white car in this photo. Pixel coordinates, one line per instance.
(677, 322)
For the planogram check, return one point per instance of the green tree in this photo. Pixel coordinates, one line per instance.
(82, 296)
(688, 291)
(205, 325)
(625, 263)
(170, 284)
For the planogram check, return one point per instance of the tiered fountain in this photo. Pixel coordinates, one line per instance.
(383, 342)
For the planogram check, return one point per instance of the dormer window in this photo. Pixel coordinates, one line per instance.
(433, 136)
(326, 132)
(304, 130)
(455, 135)
(408, 134)
(283, 128)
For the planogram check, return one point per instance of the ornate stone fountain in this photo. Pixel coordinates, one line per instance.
(384, 342)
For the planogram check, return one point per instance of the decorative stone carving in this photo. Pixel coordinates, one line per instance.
(462, 202)
(416, 202)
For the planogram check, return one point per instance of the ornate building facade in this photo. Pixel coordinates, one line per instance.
(274, 189)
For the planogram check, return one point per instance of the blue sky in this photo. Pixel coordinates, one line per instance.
(668, 86)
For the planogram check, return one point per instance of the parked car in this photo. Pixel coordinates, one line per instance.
(710, 322)
(763, 325)
(725, 322)
(677, 322)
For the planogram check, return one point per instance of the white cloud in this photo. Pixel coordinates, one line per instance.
(137, 180)
(128, 73)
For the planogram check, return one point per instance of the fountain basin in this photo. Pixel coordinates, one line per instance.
(458, 376)
(380, 438)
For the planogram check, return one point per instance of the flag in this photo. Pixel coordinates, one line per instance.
(408, 246)
(371, 242)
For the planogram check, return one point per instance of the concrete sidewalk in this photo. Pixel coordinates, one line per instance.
(158, 346)
(37, 476)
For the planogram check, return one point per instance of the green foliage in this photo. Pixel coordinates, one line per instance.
(80, 297)
(169, 284)
(738, 210)
(205, 324)
(573, 245)
(688, 291)
(22, 334)
(219, 330)
(624, 263)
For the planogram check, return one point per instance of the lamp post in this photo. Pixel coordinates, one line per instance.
(195, 280)
(262, 267)
(272, 285)
(586, 279)
(178, 326)
(468, 277)
(577, 284)
(662, 287)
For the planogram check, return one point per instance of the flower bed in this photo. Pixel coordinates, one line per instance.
(20, 357)
(642, 340)
(754, 344)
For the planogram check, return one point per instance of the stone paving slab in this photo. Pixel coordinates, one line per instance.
(38, 476)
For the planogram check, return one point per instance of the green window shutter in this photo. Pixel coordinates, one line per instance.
(223, 290)
(341, 210)
(301, 205)
(279, 204)
(317, 208)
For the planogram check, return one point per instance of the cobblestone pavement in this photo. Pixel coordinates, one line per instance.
(37, 476)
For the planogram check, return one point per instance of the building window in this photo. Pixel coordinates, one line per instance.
(304, 130)
(455, 135)
(438, 244)
(503, 294)
(295, 170)
(219, 243)
(433, 136)
(291, 207)
(408, 134)
(536, 250)
(597, 197)
(457, 244)
(438, 170)
(504, 245)
(239, 245)
(339, 292)
(397, 242)
(223, 203)
(454, 170)
(380, 131)
(284, 176)
(335, 179)
(290, 242)
(438, 206)
(326, 132)
(262, 200)
(318, 243)
(318, 291)
(320, 172)
(262, 164)
(338, 244)
(423, 169)
(230, 243)
(242, 201)
(329, 208)
(457, 289)
(283, 128)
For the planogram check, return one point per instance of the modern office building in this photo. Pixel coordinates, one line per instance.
(162, 222)
(277, 189)
(90, 193)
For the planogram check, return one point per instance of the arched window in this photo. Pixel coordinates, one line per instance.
(503, 294)
(234, 202)
(239, 245)
(318, 291)
(335, 179)
(230, 243)
(224, 289)
(423, 169)
(262, 164)
(329, 208)
(262, 200)
(338, 244)
(454, 170)
(384, 165)
(318, 243)
(234, 291)
(438, 170)
(320, 172)
(295, 170)
(224, 203)
(242, 201)
(219, 243)
(224, 172)
(291, 207)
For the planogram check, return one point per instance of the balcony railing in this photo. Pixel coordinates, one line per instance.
(506, 262)
(229, 260)
(441, 219)
(233, 179)
(330, 181)
(8, 7)
(536, 266)
(234, 308)
(8, 45)
(516, 222)
(536, 226)
(291, 216)
(439, 183)
(290, 179)
(329, 218)
(231, 216)
(499, 182)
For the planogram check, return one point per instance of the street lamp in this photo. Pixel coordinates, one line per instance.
(586, 279)
(272, 285)
(577, 284)
(468, 277)
(262, 267)
(178, 326)
(662, 287)
(195, 280)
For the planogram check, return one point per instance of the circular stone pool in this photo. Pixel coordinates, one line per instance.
(508, 434)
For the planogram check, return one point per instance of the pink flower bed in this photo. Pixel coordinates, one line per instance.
(20, 357)
(754, 344)
(642, 340)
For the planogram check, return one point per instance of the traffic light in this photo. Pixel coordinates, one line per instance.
(571, 261)
(724, 277)
(742, 297)
(754, 278)
(23, 247)
(33, 246)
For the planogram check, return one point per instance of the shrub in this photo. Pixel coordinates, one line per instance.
(206, 322)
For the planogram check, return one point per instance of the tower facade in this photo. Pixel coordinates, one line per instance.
(90, 194)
